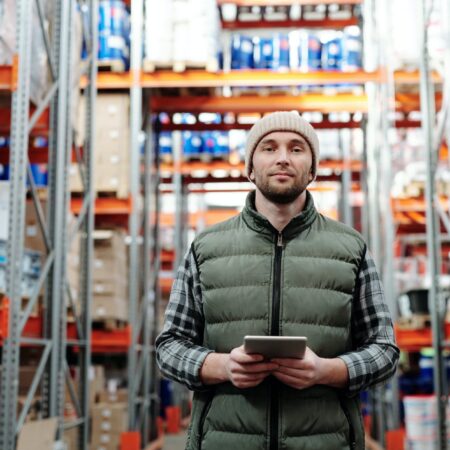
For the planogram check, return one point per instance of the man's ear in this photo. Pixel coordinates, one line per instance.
(252, 175)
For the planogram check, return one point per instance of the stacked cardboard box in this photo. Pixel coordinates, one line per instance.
(109, 420)
(181, 34)
(111, 145)
(110, 273)
(34, 240)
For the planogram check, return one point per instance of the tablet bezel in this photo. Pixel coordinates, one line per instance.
(276, 346)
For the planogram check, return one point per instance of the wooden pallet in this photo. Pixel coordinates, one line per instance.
(415, 322)
(180, 66)
(111, 65)
(153, 66)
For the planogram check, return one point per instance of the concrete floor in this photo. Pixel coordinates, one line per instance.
(175, 441)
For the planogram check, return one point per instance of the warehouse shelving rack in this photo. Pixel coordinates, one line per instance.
(48, 331)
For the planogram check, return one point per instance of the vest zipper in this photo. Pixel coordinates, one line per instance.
(275, 328)
(275, 331)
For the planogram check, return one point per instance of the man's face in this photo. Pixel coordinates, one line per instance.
(282, 164)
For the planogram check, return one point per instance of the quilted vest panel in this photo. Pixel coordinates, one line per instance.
(319, 265)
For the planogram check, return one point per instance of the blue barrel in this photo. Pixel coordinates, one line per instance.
(113, 30)
(222, 144)
(165, 143)
(241, 52)
(352, 51)
(104, 15)
(310, 52)
(208, 143)
(4, 172)
(118, 23)
(4, 141)
(280, 52)
(40, 142)
(266, 45)
(332, 52)
(40, 174)
(192, 144)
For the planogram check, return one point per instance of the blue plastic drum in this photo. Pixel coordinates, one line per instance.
(332, 52)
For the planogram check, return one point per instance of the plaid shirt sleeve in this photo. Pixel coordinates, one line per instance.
(178, 347)
(375, 357)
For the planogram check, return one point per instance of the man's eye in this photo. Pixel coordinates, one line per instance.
(296, 149)
(268, 149)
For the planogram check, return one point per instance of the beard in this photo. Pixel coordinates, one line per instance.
(280, 194)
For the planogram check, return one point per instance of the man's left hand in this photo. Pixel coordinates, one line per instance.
(311, 370)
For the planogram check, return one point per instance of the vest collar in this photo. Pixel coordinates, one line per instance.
(260, 224)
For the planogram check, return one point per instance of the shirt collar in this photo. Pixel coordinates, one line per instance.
(261, 224)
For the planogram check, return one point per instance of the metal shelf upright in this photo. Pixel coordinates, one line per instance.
(434, 132)
(52, 371)
(142, 277)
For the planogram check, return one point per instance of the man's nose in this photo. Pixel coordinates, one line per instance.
(283, 155)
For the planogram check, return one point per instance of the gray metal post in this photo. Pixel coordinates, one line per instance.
(346, 178)
(58, 160)
(87, 230)
(433, 243)
(156, 252)
(387, 93)
(177, 179)
(18, 162)
(135, 128)
(148, 292)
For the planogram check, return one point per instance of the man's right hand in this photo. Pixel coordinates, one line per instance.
(246, 371)
(241, 369)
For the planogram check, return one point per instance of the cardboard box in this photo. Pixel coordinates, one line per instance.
(34, 239)
(105, 442)
(38, 435)
(107, 307)
(109, 243)
(70, 438)
(116, 287)
(112, 111)
(105, 269)
(109, 420)
(118, 396)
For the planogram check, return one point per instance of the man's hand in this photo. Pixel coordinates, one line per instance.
(245, 370)
(311, 370)
(242, 369)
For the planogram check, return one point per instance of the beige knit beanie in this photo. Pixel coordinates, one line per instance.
(281, 121)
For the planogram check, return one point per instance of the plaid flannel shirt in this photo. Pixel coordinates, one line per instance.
(180, 353)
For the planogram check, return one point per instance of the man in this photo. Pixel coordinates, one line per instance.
(278, 268)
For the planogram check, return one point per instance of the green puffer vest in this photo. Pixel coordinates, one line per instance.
(253, 283)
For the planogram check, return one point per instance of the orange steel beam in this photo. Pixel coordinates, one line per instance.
(110, 80)
(9, 75)
(254, 77)
(41, 126)
(417, 217)
(304, 102)
(411, 102)
(234, 78)
(104, 206)
(413, 77)
(414, 204)
(262, 24)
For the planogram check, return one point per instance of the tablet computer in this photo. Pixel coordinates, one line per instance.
(276, 346)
